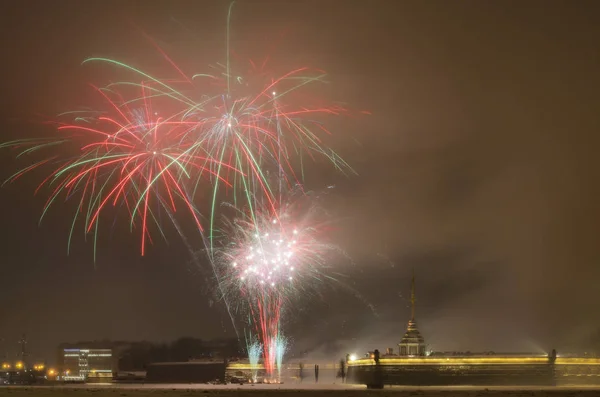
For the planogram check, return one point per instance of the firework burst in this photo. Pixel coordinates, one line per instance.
(234, 130)
(128, 156)
(261, 124)
(153, 136)
(268, 260)
(283, 253)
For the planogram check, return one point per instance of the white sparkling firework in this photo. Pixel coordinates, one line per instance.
(270, 256)
(278, 254)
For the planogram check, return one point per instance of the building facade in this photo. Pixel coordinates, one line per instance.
(84, 363)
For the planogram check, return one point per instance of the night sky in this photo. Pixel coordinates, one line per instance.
(478, 168)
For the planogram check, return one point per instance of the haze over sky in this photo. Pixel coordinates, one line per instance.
(478, 168)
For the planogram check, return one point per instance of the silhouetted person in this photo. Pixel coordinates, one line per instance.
(376, 356)
(316, 373)
(301, 372)
(343, 370)
(377, 375)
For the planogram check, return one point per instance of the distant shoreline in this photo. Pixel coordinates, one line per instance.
(308, 389)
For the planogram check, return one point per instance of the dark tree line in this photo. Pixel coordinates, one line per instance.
(137, 355)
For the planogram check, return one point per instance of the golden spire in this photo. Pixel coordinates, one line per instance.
(413, 299)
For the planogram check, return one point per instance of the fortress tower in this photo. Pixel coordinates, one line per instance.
(412, 343)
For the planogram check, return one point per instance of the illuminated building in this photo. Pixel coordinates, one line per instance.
(87, 364)
(413, 367)
(412, 343)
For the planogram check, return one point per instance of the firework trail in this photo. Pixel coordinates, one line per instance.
(266, 262)
(254, 354)
(279, 348)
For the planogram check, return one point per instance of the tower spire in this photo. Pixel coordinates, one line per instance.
(413, 299)
(412, 343)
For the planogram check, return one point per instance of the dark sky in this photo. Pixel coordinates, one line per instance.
(477, 168)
